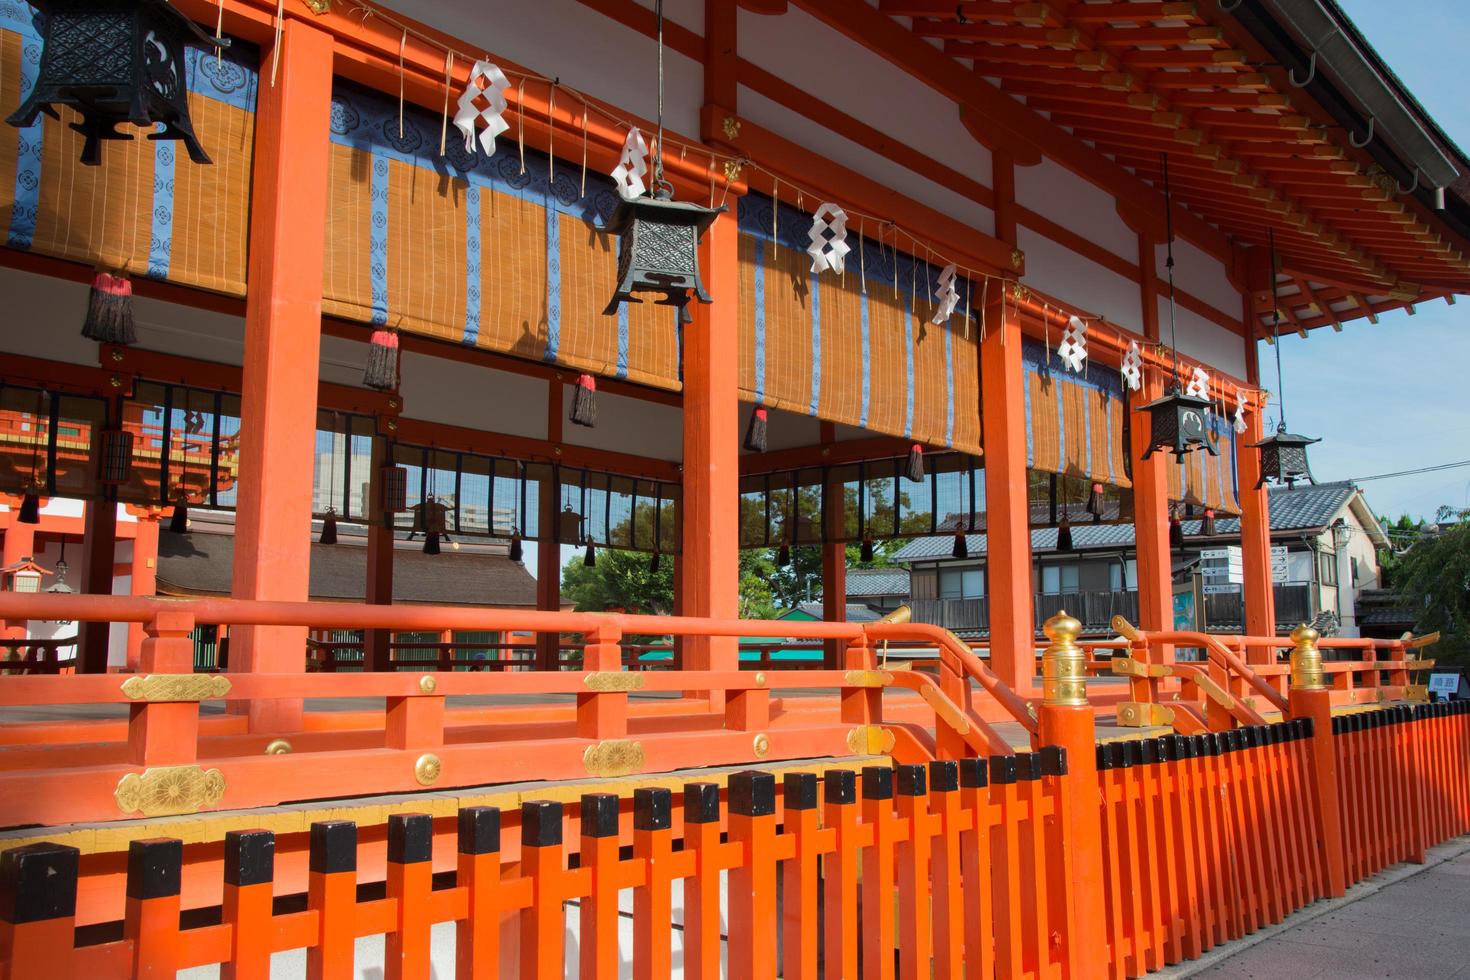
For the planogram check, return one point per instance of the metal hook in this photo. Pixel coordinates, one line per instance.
(1359, 144)
(1311, 73)
(1412, 187)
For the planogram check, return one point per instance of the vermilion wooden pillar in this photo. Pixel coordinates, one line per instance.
(548, 548)
(144, 576)
(709, 569)
(20, 542)
(1007, 513)
(282, 350)
(1255, 511)
(378, 589)
(99, 556)
(1151, 476)
(834, 561)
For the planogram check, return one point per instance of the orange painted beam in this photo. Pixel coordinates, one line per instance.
(282, 353)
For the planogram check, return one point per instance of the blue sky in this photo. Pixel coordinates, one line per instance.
(1393, 396)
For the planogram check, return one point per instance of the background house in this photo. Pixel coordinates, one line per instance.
(1325, 541)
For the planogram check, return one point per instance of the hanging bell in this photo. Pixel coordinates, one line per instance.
(329, 528)
(569, 526)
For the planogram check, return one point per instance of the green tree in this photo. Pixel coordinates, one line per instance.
(1433, 576)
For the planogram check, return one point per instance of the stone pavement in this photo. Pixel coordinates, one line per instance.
(1410, 921)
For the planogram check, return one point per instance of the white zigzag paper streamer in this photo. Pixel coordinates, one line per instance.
(632, 165)
(1073, 348)
(487, 85)
(1199, 384)
(1132, 367)
(948, 296)
(1239, 412)
(828, 236)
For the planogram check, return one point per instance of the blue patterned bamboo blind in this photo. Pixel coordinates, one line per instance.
(857, 348)
(148, 208)
(479, 250)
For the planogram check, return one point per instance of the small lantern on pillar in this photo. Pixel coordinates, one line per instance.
(23, 576)
(658, 237)
(115, 61)
(1284, 458)
(1177, 424)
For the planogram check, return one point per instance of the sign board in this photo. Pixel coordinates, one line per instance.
(1222, 565)
(1221, 588)
(1278, 563)
(1445, 684)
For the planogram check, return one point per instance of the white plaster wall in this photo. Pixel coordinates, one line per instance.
(1201, 275)
(1058, 194)
(437, 389)
(43, 318)
(1203, 339)
(564, 39)
(784, 122)
(627, 425)
(846, 75)
(1060, 272)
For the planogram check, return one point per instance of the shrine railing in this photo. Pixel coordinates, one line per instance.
(139, 744)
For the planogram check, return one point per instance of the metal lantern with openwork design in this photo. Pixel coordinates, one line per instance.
(1284, 458)
(1177, 424)
(115, 61)
(658, 250)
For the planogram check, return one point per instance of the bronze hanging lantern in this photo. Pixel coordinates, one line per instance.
(1284, 458)
(115, 61)
(1284, 455)
(116, 466)
(1177, 420)
(1177, 424)
(658, 237)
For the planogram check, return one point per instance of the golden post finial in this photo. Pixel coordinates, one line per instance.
(1306, 660)
(1063, 665)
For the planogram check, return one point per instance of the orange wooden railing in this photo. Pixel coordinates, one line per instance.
(958, 865)
(959, 868)
(562, 715)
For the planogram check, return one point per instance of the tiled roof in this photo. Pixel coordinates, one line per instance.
(1301, 508)
(856, 611)
(877, 581)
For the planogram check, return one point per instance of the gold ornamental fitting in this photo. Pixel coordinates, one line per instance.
(1063, 665)
(1306, 660)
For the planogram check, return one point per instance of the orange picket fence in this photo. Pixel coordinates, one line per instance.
(959, 867)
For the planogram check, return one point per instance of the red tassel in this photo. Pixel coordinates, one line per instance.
(584, 401)
(382, 362)
(1207, 526)
(1176, 533)
(1095, 500)
(915, 470)
(110, 310)
(755, 433)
